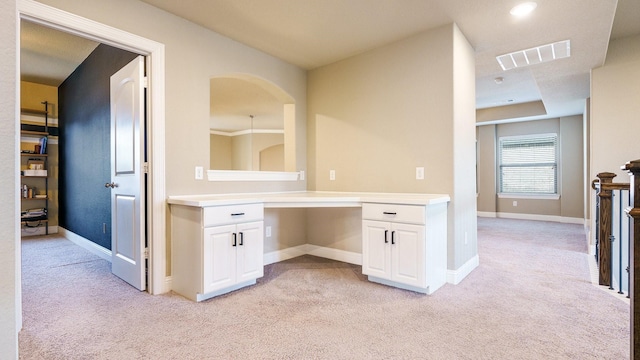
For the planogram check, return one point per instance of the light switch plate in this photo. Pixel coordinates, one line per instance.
(419, 173)
(199, 173)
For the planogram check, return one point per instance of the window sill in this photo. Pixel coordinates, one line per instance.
(529, 196)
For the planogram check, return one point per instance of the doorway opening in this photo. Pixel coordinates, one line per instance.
(154, 52)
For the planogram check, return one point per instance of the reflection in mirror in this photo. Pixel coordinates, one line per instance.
(252, 125)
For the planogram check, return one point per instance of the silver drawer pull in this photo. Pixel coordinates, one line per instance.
(237, 214)
(389, 213)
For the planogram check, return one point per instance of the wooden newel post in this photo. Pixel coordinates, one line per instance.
(633, 167)
(604, 246)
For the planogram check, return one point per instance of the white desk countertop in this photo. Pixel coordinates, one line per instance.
(308, 199)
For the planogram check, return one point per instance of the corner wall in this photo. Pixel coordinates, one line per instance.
(375, 117)
(615, 113)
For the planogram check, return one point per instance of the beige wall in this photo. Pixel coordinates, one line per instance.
(220, 156)
(10, 283)
(189, 67)
(615, 108)
(571, 183)
(375, 117)
(615, 111)
(487, 199)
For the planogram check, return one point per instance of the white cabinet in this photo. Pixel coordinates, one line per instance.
(405, 245)
(232, 254)
(216, 249)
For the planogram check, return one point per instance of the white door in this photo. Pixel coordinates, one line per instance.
(375, 249)
(219, 257)
(407, 254)
(127, 178)
(250, 251)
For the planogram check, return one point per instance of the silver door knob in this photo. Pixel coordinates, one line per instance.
(111, 185)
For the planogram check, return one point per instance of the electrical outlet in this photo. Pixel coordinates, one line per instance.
(199, 172)
(332, 174)
(419, 173)
(301, 174)
(267, 231)
(515, 203)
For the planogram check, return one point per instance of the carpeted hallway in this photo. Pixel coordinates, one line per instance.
(530, 298)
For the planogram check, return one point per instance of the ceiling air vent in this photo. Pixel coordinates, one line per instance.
(536, 55)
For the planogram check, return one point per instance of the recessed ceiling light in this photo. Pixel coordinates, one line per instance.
(523, 9)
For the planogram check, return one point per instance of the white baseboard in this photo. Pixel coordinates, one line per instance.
(456, 276)
(284, 254)
(486, 214)
(335, 254)
(537, 217)
(39, 230)
(308, 249)
(86, 244)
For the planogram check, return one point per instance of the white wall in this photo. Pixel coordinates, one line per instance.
(10, 295)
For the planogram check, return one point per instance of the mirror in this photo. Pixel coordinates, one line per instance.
(252, 125)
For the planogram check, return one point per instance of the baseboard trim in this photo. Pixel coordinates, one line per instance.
(315, 250)
(456, 276)
(334, 254)
(86, 244)
(284, 254)
(537, 217)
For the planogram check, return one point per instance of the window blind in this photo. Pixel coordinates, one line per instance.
(528, 165)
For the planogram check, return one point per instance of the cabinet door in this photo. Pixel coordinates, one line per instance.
(250, 254)
(407, 254)
(219, 258)
(376, 247)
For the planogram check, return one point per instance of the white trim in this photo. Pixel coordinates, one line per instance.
(456, 276)
(487, 214)
(314, 250)
(233, 175)
(246, 132)
(155, 52)
(335, 254)
(86, 244)
(537, 217)
(284, 254)
(529, 196)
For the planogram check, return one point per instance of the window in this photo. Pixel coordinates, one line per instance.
(528, 164)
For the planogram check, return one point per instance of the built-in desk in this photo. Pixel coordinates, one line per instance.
(217, 240)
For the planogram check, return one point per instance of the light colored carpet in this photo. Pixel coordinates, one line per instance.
(530, 298)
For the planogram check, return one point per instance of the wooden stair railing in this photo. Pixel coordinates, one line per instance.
(606, 188)
(633, 167)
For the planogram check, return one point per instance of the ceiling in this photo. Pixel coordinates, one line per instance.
(313, 33)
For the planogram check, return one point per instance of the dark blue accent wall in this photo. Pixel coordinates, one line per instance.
(84, 145)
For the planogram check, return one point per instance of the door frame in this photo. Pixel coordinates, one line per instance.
(155, 62)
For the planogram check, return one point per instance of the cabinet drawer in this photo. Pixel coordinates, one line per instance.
(232, 214)
(413, 214)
